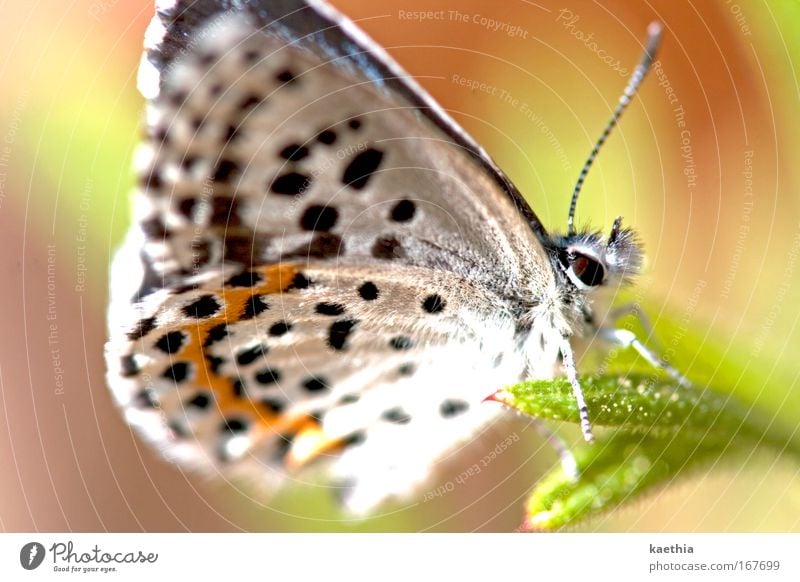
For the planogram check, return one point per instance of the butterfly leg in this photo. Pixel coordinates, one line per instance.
(568, 361)
(568, 463)
(635, 310)
(624, 338)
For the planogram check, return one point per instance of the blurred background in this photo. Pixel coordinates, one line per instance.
(704, 164)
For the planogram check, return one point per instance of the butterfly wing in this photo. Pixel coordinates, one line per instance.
(323, 260)
(264, 372)
(261, 149)
(318, 28)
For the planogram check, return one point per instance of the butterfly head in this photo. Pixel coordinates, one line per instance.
(589, 260)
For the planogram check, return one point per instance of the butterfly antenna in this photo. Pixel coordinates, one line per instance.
(653, 40)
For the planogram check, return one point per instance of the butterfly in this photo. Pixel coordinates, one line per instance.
(324, 267)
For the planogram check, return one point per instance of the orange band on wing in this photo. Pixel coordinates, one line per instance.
(276, 279)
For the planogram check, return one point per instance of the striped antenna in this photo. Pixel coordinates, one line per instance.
(653, 40)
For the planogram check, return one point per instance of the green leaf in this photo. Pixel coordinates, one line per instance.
(611, 471)
(660, 430)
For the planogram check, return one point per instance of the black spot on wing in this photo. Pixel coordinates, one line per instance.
(255, 305)
(178, 428)
(171, 342)
(202, 308)
(407, 369)
(396, 415)
(142, 328)
(286, 76)
(251, 56)
(452, 407)
(338, 333)
(403, 211)
(327, 137)
(388, 248)
(326, 308)
(317, 217)
(225, 171)
(146, 399)
(238, 388)
(242, 248)
(280, 328)
(316, 384)
(189, 162)
(290, 184)
(200, 401)
(323, 245)
(177, 98)
(177, 372)
(151, 181)
(129, 366)
(198, 123)
(274, 405)
(160, 135)
(249, 102)
(300, 281)
(215, 334)
(401, 342)
(250, 355)
(155, 229)
(268, 376)
(368, 291)
(361, 168)
(214, 363)
(231, 133)
(234, 426)
(434, 303)
(294, 152)
(186, 207)
(245, 279)
(225, 211)
(354, 439)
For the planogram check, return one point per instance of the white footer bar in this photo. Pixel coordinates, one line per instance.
(400, 557)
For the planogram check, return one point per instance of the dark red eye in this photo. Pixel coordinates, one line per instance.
(588, 271)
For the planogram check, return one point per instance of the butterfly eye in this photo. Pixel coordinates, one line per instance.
(586, 271)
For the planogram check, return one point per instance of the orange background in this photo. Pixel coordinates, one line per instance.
(719, 259)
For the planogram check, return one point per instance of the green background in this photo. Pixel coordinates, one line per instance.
(722, 279)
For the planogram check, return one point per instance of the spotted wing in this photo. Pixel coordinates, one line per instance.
(263, 372)
(278, 131)
(323, 262)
